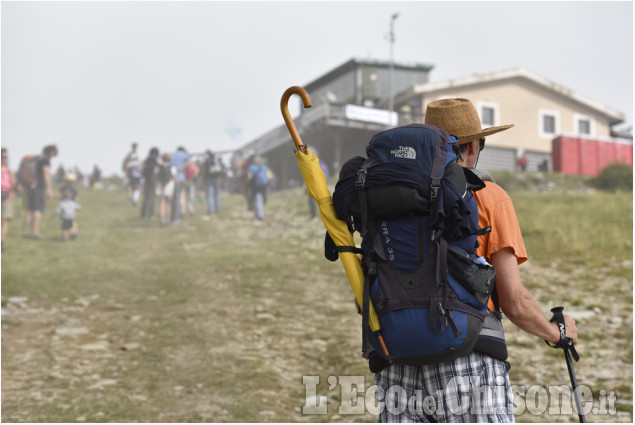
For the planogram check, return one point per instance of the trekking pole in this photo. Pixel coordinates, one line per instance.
(567, 346)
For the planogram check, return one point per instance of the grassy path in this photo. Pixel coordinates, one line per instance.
(211, 320)
(218, 320)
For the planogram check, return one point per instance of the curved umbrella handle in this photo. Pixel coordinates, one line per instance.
(284, 107)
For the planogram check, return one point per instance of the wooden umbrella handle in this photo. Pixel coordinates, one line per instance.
(284, 107)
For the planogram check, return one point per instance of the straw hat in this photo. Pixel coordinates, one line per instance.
(71, 177)
(459, 117)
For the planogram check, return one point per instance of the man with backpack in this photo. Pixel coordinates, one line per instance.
(213, 172)
(258, 181)
(37, 193)
(149, 171)
(460, 382)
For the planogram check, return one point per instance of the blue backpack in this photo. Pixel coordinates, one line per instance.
(415, 209)
(260, 177)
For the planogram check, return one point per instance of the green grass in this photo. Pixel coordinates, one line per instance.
(228, 313)
(578, 229)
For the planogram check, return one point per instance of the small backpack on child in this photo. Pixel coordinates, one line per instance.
(165, 173)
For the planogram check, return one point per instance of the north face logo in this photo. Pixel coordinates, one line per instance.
(404, 152)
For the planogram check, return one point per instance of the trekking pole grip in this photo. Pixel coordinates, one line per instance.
(565, 342)
(558, 316)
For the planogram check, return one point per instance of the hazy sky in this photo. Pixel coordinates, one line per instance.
(94, 76)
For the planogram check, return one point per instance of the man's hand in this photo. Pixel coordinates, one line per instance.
(571, 330)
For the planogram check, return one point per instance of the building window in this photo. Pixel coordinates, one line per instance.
(584, 127)
(487, 116)
(489, 112)
(583, 124)
(549, 123)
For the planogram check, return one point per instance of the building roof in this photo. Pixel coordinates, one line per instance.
(355, 63)
(614, 116)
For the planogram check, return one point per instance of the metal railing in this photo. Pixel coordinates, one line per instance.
(330, 114)
(496, 158)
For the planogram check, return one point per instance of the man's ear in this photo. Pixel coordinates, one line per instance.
(472, 147)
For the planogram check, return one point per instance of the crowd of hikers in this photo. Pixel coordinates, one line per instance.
(165, 186)
(176, 180)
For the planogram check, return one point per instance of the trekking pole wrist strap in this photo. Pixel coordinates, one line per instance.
(565, 342)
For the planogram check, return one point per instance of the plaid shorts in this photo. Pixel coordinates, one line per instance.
(474, 388)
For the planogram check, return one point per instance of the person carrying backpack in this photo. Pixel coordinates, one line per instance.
(37, 193)
(258, 181)
(149, 172)
(455, 385)
(213, 172)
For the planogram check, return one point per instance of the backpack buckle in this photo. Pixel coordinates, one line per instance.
(372, 269)
(436, 235)
(441, 309)
(361, 179)
(434, 188)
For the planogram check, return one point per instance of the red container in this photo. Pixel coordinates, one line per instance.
(583, 155)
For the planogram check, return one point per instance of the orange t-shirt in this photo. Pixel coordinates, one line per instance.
(495, 208)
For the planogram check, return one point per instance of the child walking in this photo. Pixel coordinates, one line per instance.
(69, 184)
(66, 210)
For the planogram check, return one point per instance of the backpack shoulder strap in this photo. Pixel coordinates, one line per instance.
(439, 164)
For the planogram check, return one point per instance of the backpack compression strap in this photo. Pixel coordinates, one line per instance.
(565, 342)
(331, 251)
(438, 305)
(369, 278)
(370, 274)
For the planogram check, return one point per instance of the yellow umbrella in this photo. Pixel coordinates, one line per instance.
(317, 188)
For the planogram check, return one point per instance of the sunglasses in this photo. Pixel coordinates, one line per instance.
(481, 144)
